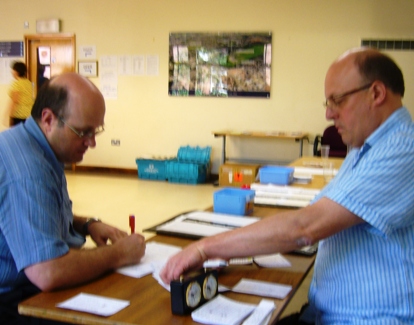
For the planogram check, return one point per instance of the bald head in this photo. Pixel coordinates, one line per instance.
(363, 88)
(63, 92)
(373, 65)
(74, 83)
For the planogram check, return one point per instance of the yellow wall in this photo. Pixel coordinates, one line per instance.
(307, 36)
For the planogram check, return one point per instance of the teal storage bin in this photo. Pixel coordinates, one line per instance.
(197, 155)
(234, 201)
(279, 175)
(192, 165)
(187, 173)
(151, 168)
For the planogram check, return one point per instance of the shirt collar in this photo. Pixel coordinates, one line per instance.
(34, 130)
(382, 131)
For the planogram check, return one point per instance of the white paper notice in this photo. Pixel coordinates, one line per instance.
(152, 65)
(87, 52)
(262, 288)
(125, 65)
(108, 76)
(94, 304)
(222, 311)
(138, 63)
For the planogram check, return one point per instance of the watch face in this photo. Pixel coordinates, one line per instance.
(193, 294)
(209, 287)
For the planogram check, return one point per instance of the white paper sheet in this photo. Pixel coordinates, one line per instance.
(272, 260)
(93, 304)
(261, 314)
(156, 255)
(222, 311)
(262, 288)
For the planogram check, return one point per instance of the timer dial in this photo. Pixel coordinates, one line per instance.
(209, 287)
(193, 294)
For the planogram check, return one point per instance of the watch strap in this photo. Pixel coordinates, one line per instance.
(87, 223)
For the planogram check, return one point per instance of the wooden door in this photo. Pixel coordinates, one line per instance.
(58, 55)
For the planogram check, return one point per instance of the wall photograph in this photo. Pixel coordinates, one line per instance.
(220, 64)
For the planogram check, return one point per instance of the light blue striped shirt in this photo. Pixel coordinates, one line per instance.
(365, 274)
(35, 209)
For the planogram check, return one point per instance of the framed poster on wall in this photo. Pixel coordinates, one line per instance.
(220, 64)
(88, 68)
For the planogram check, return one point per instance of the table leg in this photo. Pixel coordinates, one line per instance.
(223, 153)
(301, 147)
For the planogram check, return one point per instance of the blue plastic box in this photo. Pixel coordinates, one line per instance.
(276, 175)
(234, 201)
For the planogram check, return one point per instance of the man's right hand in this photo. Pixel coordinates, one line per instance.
(131, 249)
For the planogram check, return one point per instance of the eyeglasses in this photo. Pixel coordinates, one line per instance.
(83, 134)
(335, 101)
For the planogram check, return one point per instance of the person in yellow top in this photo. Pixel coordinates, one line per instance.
(20, 93)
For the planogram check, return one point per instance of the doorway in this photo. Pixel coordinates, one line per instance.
(49, 55)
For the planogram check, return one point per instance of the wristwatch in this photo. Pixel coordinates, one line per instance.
(87, 223)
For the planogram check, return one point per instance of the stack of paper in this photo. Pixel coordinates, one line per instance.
(312, 171)
(283, 195)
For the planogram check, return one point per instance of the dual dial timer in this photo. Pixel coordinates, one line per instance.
(193, 290)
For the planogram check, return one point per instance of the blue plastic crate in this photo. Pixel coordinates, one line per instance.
(196, 155)
(151, 169)
(276, 175)
(234, 201)
(183, 172)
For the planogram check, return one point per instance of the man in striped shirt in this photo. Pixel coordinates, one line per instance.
(364, 218)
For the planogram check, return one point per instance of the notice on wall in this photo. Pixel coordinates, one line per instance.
(125, 65)
(152, 65)
(9, 52)
(6, 77)
(108, 76)
(11, 49)
(139, 65)
(87, 52)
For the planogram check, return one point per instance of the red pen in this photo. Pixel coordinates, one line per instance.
(132, 223)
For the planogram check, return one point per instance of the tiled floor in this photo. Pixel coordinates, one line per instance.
(113, 198)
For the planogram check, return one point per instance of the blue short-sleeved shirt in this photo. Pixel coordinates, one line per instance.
(35, 210)
(365, 274)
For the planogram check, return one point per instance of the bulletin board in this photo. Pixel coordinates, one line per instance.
(220, 64)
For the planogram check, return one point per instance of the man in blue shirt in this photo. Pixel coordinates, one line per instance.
(364, 218)
(40, 238)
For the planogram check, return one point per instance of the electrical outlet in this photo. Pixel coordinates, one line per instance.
(115, 142)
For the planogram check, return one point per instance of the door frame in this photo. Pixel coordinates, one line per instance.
(29, 40)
